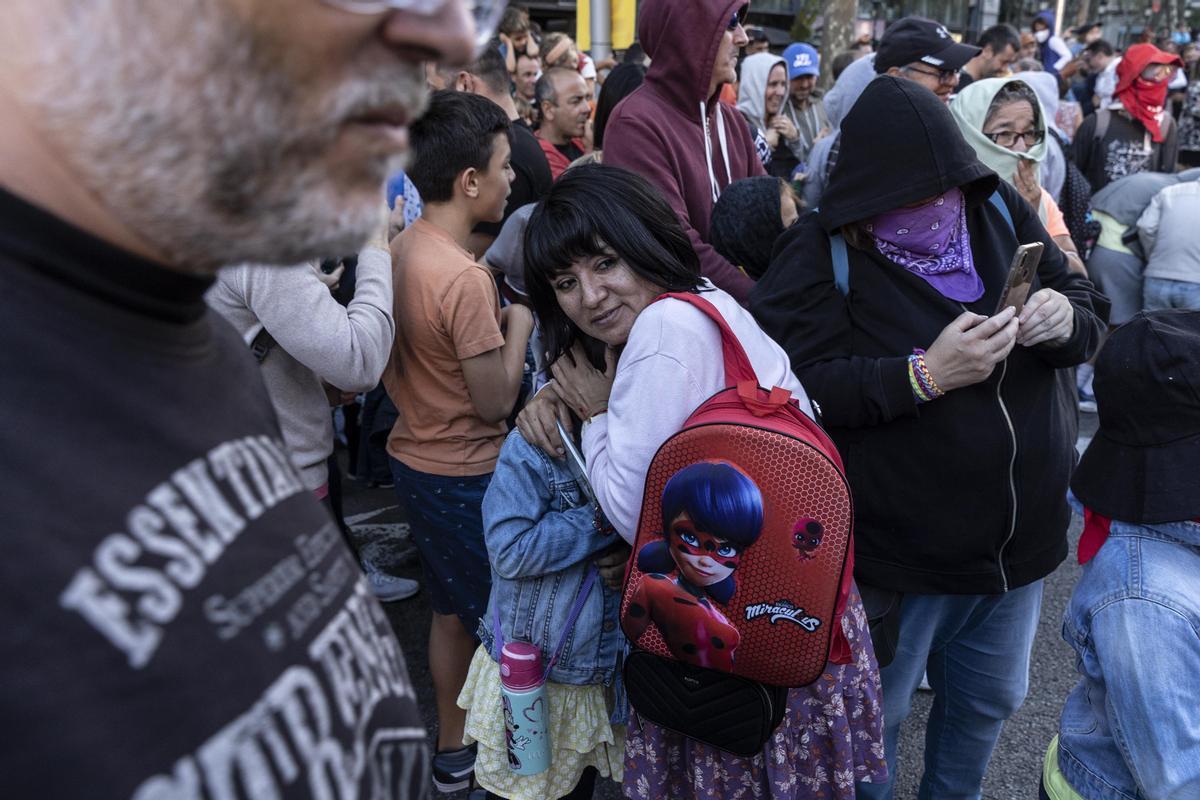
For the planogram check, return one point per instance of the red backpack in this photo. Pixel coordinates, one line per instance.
(742, 562)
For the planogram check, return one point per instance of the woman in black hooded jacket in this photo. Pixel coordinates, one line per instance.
(958, 457)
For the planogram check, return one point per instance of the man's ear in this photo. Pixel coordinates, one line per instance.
(468, 183)
(464, 82)
(893, 71)
(547, 110)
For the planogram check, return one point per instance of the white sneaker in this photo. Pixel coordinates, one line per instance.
(389, 588)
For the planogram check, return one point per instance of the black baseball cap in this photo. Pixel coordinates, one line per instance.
(918, 39)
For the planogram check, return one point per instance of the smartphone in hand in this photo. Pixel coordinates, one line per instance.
(1020, 277)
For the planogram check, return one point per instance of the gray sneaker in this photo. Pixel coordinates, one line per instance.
(453, 770)
(389, 588)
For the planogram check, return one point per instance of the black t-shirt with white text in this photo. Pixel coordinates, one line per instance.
(181, 618)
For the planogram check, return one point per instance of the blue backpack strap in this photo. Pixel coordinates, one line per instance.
(841, 263)
(1002, 207)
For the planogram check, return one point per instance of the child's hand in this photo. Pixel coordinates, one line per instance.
(611, 564)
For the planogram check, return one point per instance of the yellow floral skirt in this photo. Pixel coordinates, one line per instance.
(581, 735)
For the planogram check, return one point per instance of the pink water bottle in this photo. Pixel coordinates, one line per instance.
(526, 708)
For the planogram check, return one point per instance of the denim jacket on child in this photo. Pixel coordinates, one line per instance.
(1129, 728)
(542, 536)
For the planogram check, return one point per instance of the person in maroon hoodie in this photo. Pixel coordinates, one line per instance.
(675, 132)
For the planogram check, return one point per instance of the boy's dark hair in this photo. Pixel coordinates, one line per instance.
(457, 132)
(841, 61)
(1100, 46)
(491, 69)
(595, 209)
(999, 36)
(514, 20)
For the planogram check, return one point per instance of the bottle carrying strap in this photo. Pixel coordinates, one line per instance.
(584, 590)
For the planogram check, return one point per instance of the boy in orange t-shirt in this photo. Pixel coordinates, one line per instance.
(454, 375)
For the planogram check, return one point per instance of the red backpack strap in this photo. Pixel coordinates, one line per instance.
(737, 363)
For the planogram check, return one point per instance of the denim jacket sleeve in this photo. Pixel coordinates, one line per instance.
(526, 537)
(1150, 655)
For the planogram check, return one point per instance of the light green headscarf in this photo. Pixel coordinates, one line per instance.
(970, 109)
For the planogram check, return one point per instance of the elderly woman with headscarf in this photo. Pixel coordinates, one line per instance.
(944, 405)
(1006, 124)
(1135, 133)
(762, 92)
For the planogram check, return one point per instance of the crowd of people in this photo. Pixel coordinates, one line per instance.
(213, 258)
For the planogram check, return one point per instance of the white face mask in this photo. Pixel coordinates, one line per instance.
(1042, 35)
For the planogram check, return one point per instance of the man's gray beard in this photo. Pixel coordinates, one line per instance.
(184, 127)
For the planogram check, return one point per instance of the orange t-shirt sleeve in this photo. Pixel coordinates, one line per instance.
(471, 314)
(1056, 225)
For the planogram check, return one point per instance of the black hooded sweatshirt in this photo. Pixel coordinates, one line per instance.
(965, 494)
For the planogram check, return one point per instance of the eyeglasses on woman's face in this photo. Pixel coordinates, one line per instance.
(1009, 139)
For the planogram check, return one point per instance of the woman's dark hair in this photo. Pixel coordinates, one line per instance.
(595, 209)
(617, 86)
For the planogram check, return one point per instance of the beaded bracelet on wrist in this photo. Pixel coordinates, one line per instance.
(917, 390)
(928, 388)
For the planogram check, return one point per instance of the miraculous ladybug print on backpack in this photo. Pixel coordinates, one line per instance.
(743, 553)
(715, 514)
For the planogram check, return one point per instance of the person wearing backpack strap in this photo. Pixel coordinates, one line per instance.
(600, 250)
(956, 443)
(1134, 132)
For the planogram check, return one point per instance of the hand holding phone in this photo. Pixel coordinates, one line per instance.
(970, 347)
(1020, 277)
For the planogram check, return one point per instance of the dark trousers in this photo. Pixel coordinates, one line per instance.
(333, 503)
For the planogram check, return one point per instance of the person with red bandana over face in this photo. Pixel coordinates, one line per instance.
(1134, 133)
(675, 131)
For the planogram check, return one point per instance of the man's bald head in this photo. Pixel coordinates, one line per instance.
(562, 100)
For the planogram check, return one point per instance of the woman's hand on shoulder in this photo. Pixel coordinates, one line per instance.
(536, 422)
(970, 347)
(581, 386)
(1047, 318)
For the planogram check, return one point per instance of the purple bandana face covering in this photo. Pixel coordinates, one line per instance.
(931, 242)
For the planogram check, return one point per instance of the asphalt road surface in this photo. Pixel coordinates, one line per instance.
(1016, 763)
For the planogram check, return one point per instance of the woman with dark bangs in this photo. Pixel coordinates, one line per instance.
(600, 249)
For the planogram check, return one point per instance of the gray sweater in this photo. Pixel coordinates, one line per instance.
(316, 340)
(1170, 235)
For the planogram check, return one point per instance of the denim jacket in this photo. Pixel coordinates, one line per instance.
(1131, 727)
(542, 536)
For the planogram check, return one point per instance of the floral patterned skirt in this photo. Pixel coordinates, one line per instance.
(830, 737)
